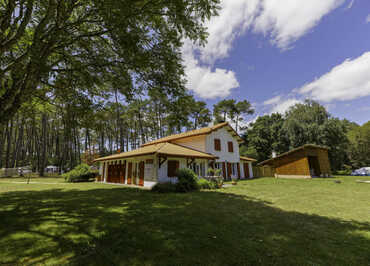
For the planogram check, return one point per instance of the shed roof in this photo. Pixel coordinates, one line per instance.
(197, 132)
(243, 158)
(293, 151)
(166, 149)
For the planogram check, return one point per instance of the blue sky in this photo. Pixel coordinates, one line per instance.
(276, 55)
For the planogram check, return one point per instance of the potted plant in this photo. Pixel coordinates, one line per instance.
(215, 177)
(234, 181)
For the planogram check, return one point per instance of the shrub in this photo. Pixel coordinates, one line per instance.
(344, 172)
(216, 181)
(81, 173)
(187, 180)
(205, 184)
(164, 187)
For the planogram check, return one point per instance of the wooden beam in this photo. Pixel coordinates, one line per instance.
(188, 164)
(161, 161)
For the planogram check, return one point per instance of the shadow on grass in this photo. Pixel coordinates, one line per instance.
(121, 226)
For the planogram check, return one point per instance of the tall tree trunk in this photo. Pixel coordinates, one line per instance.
(43, 145)
(118, 120)
(18, 146)
(2, 141)
(9, 131)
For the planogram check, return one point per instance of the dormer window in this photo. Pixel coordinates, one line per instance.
(217, 145)
(230, 146)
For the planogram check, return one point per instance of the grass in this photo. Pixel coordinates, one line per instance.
(263, 221)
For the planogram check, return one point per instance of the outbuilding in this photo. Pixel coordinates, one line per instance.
(306, 161)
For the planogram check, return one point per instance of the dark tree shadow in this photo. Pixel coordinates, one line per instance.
(124, 226)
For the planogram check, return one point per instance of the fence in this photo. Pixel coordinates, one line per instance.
(263, 171)
(7, 172)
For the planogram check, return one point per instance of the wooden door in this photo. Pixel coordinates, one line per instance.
(109, 175)
(141, 173)
(224, 170)
(129, 173)
(246, 170)
(228, 170)
(134, 174)
(116, 173)
(113, 177)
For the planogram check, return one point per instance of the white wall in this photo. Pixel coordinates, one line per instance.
(224, 154)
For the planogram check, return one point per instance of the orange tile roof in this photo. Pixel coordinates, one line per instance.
(243, 158)
(192, 133)
(166, 149)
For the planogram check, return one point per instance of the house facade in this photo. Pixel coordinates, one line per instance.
(214, 147)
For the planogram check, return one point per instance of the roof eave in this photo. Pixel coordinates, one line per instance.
(123, 157)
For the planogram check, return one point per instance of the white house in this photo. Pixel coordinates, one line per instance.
(157, 161)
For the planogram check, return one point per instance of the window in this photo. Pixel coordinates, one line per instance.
(172, 168)
(217, 145)
(230, 146)
(196, 168)
(202, 169)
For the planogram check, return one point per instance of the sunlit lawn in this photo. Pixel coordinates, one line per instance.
(262, 221)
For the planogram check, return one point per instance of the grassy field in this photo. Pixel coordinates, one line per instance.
(263, 221)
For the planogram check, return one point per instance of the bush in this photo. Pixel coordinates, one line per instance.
(164, 187)
(187, 180)
(81, 173)
(344, 172)
(216, 181)
(204, 184)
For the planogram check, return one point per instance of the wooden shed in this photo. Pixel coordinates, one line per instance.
(303, 162)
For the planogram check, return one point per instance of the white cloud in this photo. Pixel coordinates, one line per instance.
(288, 22)
(280, 104)
(234, 18)
(347, 81)
(350, 4)
(203, 81)
(271, 101)
(368, 18)
(284, 23)
(283, 105)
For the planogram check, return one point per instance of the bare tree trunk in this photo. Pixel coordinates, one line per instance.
(9, 131)
(43, 145)
(18, 146)
(118, 125)
(2, 141)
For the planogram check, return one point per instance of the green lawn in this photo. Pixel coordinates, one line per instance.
(263, 221)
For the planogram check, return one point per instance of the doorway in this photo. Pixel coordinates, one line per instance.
(314, 166)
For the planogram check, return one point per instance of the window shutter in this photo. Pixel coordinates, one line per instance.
(217, 145)
(231, 147)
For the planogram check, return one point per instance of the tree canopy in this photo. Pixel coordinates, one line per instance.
(46, 46)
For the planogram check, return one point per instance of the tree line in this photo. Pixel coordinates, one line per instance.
(75, 128)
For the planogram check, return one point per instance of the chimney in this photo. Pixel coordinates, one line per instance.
(273, 154)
